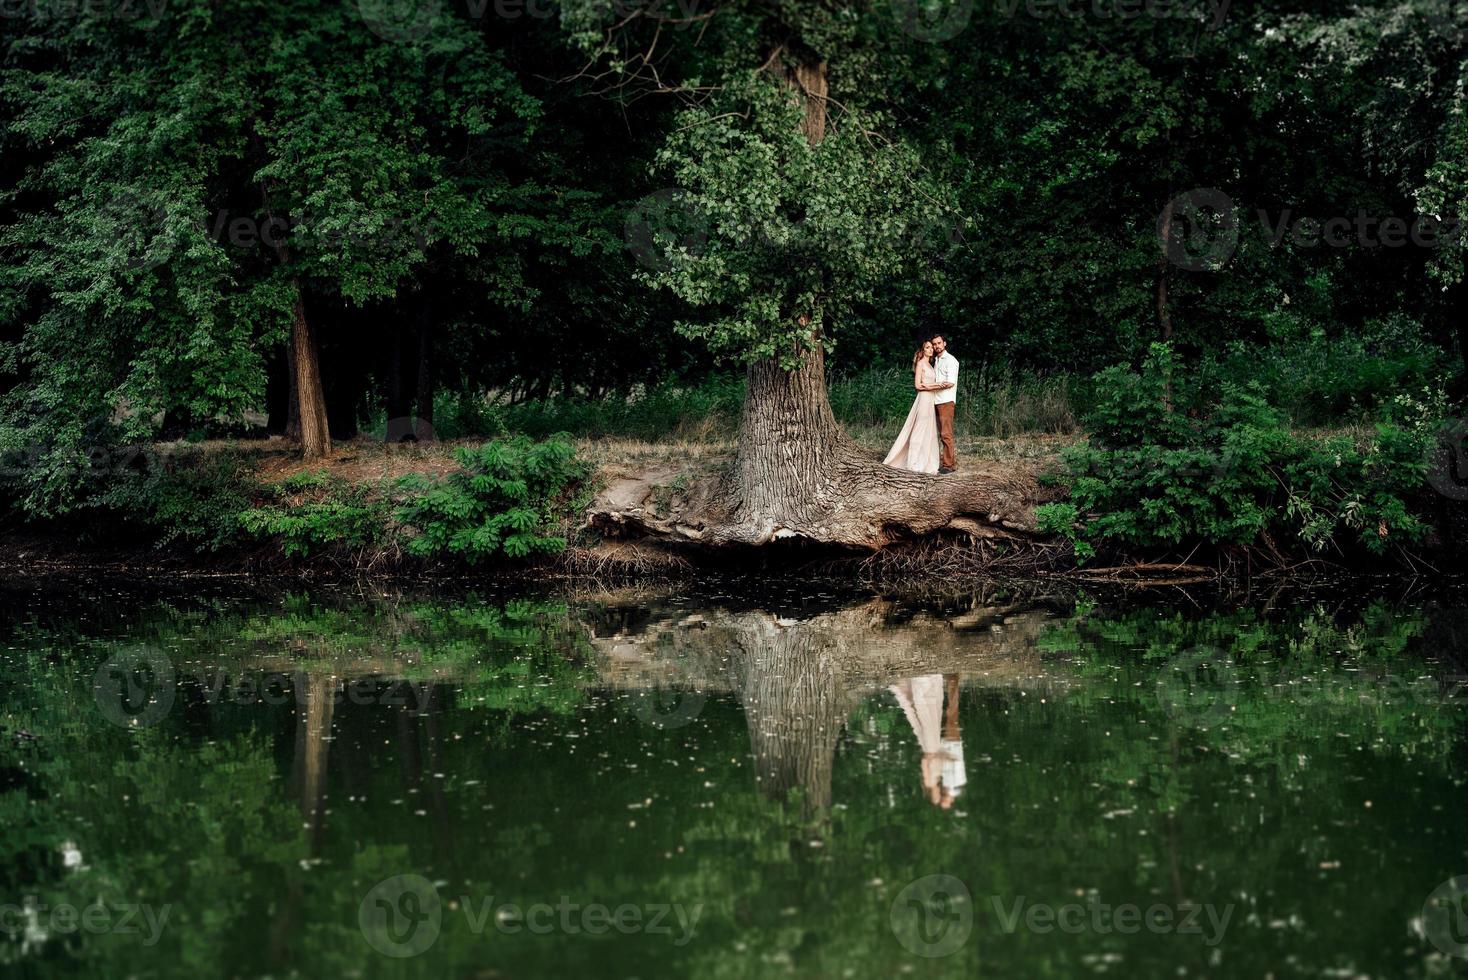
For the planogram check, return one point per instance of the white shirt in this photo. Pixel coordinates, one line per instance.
(954, 776)
(947, 366)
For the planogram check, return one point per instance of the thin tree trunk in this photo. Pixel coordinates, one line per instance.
(1164, 315)
(423, 427)
(309, 400)
(315, 433)
(397, 399)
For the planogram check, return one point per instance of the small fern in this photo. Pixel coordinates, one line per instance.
(506, 503)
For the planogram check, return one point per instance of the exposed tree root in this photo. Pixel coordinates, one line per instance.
(861, 504)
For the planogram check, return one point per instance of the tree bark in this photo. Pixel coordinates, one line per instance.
(292, 396)
(315, 434)
(307, 421)
(423, 425)
(1164, 314)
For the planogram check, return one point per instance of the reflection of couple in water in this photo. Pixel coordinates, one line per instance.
(937, 733)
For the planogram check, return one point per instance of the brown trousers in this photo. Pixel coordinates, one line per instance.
(948, 457)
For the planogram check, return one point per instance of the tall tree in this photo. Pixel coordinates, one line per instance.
(790, 217)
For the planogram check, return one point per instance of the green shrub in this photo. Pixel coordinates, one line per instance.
(1166, 467)
(189, 496)
(508, 501)
(1319, 379)
(679, 411)
(313, 511)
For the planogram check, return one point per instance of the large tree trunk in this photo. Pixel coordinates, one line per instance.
(797, 475)
(310, 399)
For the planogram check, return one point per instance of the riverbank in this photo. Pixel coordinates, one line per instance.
(342, 517)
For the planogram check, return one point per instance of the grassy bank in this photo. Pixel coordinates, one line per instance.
(872, 405)
(1160, 460)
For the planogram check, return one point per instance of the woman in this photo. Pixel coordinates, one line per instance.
(921, 699)
(917, 445)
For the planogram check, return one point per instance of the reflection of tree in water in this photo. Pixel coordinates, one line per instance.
(798, 680)
(788, 678)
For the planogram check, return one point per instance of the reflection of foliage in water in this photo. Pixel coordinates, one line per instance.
(1257, 684)
(171, 815)
(525, 782)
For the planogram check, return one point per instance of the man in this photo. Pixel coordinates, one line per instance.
(947, 367)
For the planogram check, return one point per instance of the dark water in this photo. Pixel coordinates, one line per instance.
(726, 784)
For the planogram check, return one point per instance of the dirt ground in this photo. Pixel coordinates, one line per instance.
(368, 461)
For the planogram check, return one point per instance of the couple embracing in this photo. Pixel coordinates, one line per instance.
(925, 444)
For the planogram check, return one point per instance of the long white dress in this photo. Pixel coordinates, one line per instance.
(917, 445)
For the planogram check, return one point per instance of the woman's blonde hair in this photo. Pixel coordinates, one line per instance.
(919, 355)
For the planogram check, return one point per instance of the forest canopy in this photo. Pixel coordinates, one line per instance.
(209, 211)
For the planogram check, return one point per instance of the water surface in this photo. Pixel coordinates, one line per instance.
(743, 780)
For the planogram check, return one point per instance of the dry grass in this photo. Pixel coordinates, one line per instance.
(367, 461)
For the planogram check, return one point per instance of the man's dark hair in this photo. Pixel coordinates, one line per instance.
(936, 336)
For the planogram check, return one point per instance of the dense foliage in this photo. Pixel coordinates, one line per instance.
(462, 210)
(1166, 467)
